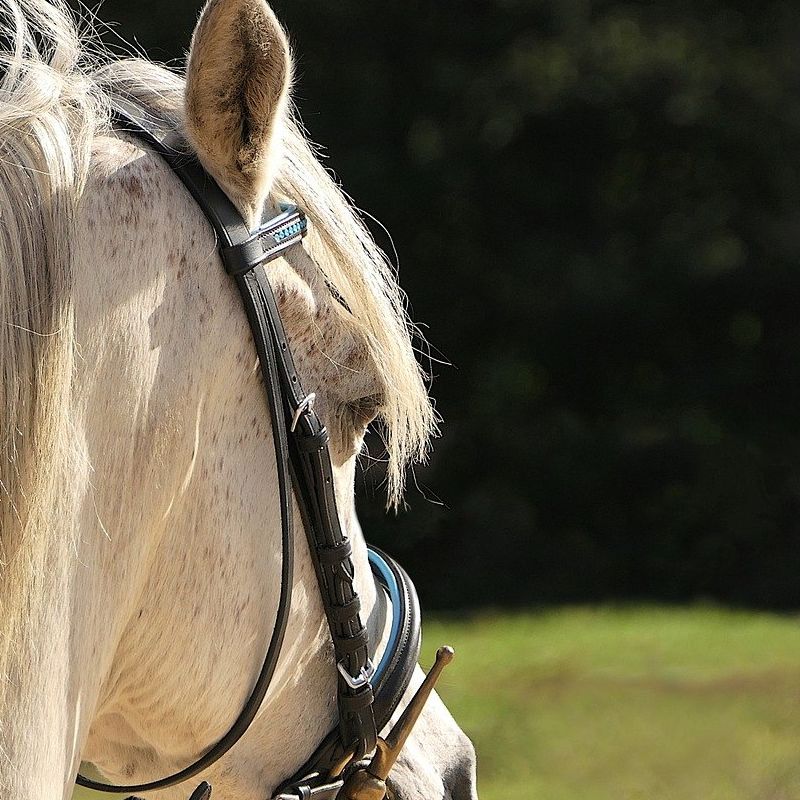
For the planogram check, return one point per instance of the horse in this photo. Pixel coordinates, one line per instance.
(139, 504)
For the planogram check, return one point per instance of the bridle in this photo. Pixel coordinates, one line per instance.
(368, 693)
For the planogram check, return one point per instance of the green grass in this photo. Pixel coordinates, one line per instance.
(611, 704)
(627, 704)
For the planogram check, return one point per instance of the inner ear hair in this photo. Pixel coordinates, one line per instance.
(237, 89)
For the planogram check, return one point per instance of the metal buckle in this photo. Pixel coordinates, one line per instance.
(306, 405)
(360, 680)
(324, 791)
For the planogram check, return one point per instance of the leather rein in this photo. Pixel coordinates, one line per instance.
(367, 693)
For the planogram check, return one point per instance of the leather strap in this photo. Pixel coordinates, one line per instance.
(313, 482)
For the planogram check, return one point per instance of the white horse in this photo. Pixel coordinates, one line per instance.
(140, 535)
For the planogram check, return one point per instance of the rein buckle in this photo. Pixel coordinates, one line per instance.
(305, 407)
(369, 783)
(360, 680)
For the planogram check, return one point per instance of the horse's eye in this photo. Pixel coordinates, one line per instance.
(365, 409)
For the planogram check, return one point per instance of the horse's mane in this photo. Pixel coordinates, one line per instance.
(48, 117)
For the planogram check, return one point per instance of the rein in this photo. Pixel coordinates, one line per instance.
(367, 695)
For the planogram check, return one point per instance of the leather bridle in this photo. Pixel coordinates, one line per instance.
(367, 693)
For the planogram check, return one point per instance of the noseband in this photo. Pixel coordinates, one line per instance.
(368, 693)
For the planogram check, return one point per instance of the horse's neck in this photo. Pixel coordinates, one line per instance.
(185, 493)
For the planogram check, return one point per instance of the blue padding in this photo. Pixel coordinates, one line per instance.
(386, 579)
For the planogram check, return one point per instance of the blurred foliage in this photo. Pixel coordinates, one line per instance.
(597, 211)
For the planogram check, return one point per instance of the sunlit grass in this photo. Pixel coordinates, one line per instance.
(611, 704)
(618, 704)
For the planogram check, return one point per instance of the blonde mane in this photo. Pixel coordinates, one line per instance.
(48, 117)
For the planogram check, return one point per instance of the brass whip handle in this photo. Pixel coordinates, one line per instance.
(390, 747)
(370, 783)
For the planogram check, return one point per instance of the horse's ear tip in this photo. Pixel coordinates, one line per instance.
(238, 11)
(226, 28)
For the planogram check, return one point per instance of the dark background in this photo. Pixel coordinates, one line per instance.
(597, 212)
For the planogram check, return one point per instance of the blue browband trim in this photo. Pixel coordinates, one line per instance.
(268, 241)
(387, 580)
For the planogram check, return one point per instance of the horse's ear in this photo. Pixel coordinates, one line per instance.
(237, 88)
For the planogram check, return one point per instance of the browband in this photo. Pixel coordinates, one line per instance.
(367, 695)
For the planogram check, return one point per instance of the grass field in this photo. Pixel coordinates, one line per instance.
(627, 704)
